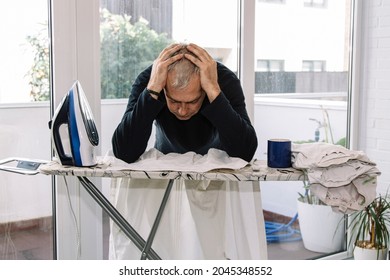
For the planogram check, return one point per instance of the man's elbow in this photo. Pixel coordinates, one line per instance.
(251, 152)
(120, 152)
(246, 151)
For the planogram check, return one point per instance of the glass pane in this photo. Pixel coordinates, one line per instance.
(133, 33)
(25, 201)
(307, 100)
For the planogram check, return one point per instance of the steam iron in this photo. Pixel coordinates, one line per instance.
(73, 129)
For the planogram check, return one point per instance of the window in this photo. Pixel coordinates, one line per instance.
(315, 3)
(25, 201)
(273, 1)
(270, 65)
(308, 100)
(147, 27)
(313, 65)
(24, 54)
(289, 102)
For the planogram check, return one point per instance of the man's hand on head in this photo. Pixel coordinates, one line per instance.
(208, 70)
(158, 77)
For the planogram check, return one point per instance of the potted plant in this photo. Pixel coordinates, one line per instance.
(368, 229)
(319, 224)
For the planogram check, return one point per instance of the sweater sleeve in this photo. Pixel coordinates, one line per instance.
(228, 114)
(131, 136)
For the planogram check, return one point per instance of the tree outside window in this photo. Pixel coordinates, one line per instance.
(126, 49)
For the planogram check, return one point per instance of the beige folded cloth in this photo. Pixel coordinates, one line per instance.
(339, 177)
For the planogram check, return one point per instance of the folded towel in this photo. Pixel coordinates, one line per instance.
(342, 178)
(320, 154)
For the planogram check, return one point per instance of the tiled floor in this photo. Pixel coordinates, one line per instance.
(27, 244)
(36, 244)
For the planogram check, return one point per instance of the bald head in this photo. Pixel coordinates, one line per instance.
(182, 71)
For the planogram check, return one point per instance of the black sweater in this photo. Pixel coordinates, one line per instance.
(223, 124)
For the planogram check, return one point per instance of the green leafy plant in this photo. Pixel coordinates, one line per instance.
(369, 225)
(126, 50)
(39, 74)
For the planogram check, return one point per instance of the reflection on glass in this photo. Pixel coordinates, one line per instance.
(306, 100)
(307, 38)
(25, 201)
(133, 34)
(24, 52)
(301, 54)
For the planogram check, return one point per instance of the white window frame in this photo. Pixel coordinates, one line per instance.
(75, 55)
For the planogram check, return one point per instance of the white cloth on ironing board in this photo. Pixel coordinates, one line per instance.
(154, 160)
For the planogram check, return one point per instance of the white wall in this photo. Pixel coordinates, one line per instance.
(374, 117)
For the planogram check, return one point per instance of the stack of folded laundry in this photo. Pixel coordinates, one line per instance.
(339, 177)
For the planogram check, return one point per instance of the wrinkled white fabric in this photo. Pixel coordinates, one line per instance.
(202, 220)
(154, 160)
(342, 178)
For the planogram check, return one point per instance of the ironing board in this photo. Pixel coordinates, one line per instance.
(254, 172)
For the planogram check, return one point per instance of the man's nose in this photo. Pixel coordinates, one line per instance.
(183, 109)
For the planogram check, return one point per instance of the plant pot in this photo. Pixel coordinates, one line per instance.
(360, 253)
(321, 228)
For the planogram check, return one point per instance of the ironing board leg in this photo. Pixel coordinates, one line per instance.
(127, 229)
(145, 251)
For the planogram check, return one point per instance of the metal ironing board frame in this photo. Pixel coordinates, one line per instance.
(255, 172)
(144, 246)
(22, 166)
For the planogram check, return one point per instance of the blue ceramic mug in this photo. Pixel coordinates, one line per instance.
(279, 153)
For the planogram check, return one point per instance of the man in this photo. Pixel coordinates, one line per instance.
(195, 102)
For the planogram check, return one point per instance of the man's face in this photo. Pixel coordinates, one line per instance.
(186, 102)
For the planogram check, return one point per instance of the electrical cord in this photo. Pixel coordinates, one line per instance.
(7, 247)
(74, 219)
(278, 232)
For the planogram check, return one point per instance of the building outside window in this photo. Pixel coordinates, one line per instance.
(313, 66)
(270, 65)
(315, 3)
